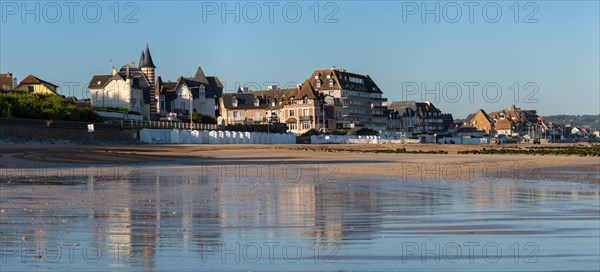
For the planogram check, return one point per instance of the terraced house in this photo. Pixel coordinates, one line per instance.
(421, 120)
(297, 107)
(352, 100)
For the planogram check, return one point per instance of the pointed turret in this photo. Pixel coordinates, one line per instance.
(147, 63)
(200, 77)
(141, 59)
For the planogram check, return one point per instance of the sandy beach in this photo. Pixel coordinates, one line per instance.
(338, 160)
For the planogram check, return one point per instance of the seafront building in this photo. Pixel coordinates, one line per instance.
(420, 120)
(298, 108)
(351, 100)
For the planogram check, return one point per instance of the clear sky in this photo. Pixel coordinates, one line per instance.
(544, 57)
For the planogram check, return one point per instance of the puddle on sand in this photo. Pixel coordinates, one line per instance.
(177, 221)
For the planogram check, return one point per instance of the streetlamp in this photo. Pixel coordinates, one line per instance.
(191, 107)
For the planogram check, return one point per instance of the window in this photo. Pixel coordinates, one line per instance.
(234, 114)
(305, 125)
(319, 84)
(162, 104)
(292, 113)
(292, 126)
(30, 89)
(256, 102)
(234, 103)
(305, 112)
(331, 83)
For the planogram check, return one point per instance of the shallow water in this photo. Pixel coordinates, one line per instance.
(170, 218)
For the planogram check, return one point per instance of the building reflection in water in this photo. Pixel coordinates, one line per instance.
(149, 214)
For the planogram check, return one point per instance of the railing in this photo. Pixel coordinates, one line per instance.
(116, 125)
(55, 123)
(166, 124)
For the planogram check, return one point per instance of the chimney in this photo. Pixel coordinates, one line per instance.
(132, 64)
(127, 74)
(114, 71)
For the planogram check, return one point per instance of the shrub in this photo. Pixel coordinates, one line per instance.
(203, 119)
(20, 104)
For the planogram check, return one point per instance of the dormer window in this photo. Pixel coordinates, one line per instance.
(329, 76)
(318, 84)
(256, 102)
(331, 83)
(234, 103)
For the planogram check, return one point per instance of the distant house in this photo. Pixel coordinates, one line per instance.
(422, 118)
(505, 126)
(33, 84)
(480, 121)
(298, 107)
(7, 82)
(516, 121)
(127, 88)
(175, 96)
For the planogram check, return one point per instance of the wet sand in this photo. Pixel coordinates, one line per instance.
(189, 208)
(335, 158)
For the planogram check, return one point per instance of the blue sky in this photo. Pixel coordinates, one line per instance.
(546, 57)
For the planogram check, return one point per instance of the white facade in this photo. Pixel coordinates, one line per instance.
(201, 104)
(118, 94)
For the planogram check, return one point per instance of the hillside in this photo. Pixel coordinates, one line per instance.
(575, 120)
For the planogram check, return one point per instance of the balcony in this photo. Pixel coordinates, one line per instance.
(306, 118)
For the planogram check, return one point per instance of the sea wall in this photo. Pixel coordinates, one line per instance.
(47, 130)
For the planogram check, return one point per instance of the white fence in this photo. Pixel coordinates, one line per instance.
(344, 139)
(184, 136)
(348, 139)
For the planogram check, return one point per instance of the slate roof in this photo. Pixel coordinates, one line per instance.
(99, 81)
(266, 97)
(341, 80)
(215, 85)
(212, 85)
(147, 59)
(410, 108)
